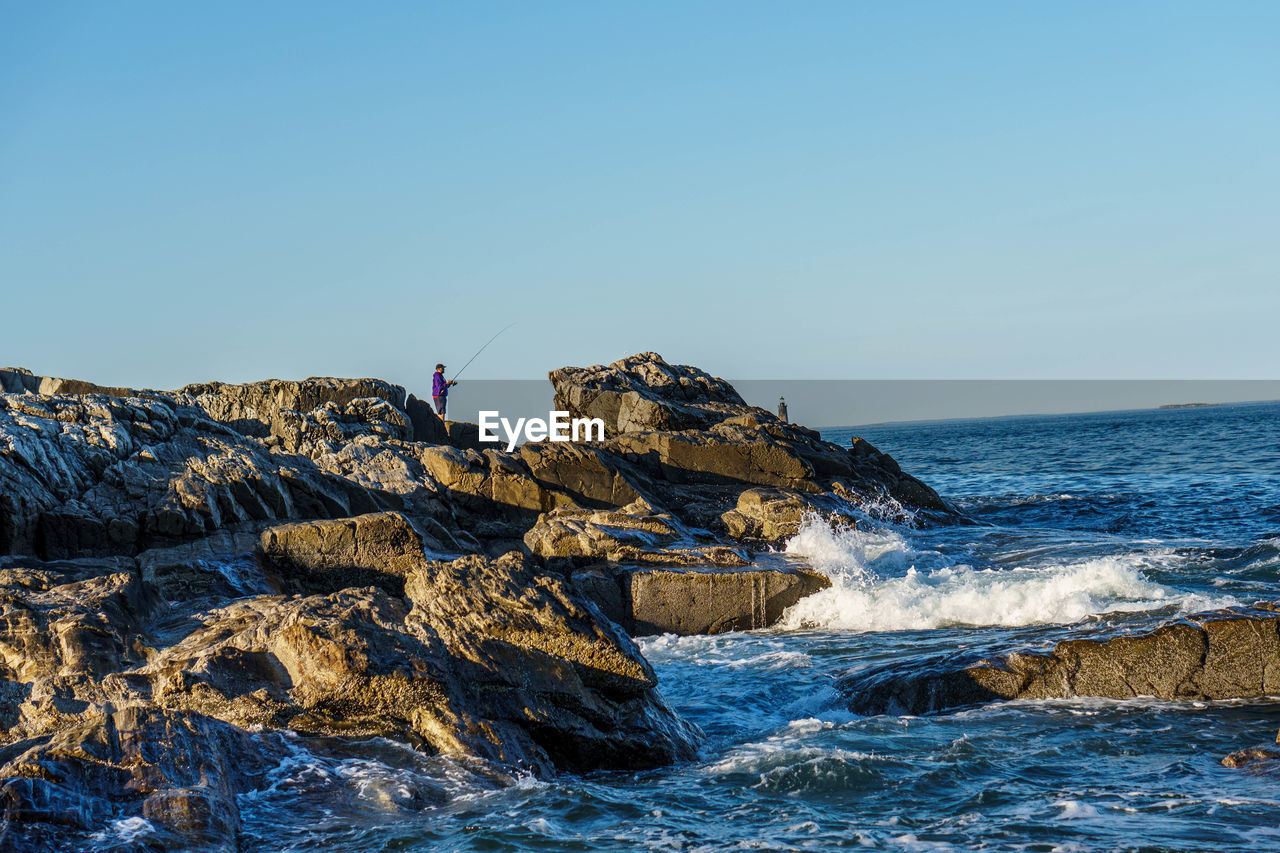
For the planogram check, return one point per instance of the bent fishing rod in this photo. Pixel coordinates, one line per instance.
(482, 349)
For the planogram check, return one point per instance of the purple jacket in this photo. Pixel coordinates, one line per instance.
(439, 387)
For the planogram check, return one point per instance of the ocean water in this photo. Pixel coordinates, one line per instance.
(1114, 521)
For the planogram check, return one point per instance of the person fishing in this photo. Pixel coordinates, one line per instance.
(440, 386)
(440, 390)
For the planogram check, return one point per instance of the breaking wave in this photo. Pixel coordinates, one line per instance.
(881, 583)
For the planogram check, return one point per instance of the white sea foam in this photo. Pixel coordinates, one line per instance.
(732, 651)
(1075, 810)
(124, 831)
(878, 585)
(851, 556)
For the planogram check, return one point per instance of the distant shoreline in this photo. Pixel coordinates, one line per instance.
(1166, 406)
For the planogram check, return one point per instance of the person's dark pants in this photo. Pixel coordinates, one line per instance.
(440, 402)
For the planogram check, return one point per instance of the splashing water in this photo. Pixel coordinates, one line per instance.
(862, 598)
(850, 556)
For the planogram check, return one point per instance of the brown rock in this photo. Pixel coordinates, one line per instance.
(1251, 756)
(589, 474)
(774, 515)
(466, 436)
(632, 534)
(712, 601)
(1218, 656)
(255, 408)
(677, 424)
(86, 627)
(544, 667)
(642, 393)
(379, 549)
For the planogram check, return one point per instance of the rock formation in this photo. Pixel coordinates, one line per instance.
(1220, 655)
(185, 574)
(697, 444)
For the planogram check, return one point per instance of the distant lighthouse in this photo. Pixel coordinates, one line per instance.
(782, 409)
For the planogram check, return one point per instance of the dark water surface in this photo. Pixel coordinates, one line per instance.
(1115, 521)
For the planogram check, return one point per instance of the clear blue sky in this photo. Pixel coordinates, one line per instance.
(808, 190)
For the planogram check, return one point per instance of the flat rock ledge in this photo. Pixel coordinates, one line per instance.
(1232, 654)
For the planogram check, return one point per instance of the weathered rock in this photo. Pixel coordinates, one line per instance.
(588, 474)
(1253, 755)
(379, 549)
(549, 674)
(697, 591)
(495, 486)
(82, 628)
(180, 773)
(632, 534)
(337, 664)
(427, 425)
(19, 380)
(773, 515)
(712, 601)
(1215, 656)
(675, 423)
(722, 455)
(642, 393)
(327, 428)
(466, 436)
(494, 660)
(257, 408)
(273, 556)
(208, 570)
(95, 475)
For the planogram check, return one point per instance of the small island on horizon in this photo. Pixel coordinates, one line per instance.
(1188, 405)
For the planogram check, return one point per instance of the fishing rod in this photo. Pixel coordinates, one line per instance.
(482, 349)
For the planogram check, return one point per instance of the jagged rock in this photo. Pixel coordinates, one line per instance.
(337, 664)
(632, 534)
(494, 483)
(1216, 656)
(588, 474)
(722, 455)
(872, 465)
(494, 660)
(643, 393)
(217, 567)
(326, 428)
(256, 408)
(697, 591)
(82, 628)
(175, 774)
(1251, 756)
(776, 514)
(94, 475)
(19, 380)
(497, 659)
(379, 549)
(549, 673)
(465, 435)
(675, 423)
(271, 556)
(427, 425)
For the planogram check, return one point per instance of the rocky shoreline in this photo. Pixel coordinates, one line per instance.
(188, 575)
(182, 569)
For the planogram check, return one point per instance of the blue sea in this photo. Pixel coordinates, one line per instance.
(1096, 522)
